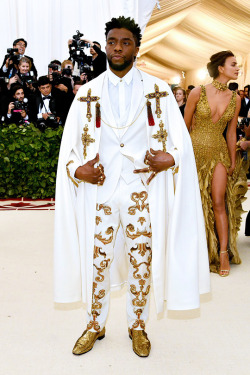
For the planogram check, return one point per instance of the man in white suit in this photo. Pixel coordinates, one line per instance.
(109, 175)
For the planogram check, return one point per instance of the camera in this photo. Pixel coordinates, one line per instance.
(54, 67)
(20, 106)
(27, 78)
(76, 49)
(12, 56)
(66, 72)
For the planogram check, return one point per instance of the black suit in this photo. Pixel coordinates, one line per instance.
(244, 108)
(11, 71)
(57, 104)
(100, 62)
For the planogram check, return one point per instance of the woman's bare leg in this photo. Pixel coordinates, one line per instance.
(219, 184)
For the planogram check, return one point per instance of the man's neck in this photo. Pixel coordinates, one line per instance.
(121, 73)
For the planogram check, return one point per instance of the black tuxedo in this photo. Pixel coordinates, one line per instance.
(244, 108)
(57, 104)
(12, 70)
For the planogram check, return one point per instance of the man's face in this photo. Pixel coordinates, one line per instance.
(76, 88)
(121, 49)
(45, 89)
(21, 47)
(246, 92)
(92, 51)
(19, 95)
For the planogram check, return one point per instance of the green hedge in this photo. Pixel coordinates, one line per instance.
(28, 161)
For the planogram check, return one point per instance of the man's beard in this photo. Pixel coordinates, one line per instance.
(119, 67)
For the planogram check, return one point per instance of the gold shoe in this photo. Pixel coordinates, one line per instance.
(224, 273)
(86, 342)
(141, 343)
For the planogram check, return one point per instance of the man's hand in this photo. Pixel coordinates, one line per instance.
(46, 115)
(62, 87)
(157, 161)
(10, 107)
(23, 113)
(88, 173)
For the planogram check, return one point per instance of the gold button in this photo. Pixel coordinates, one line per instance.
(122, 145)
(120, 80)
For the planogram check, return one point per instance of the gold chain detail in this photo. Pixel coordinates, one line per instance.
(126, 126)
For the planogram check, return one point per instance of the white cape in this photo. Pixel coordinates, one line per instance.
(180, 269)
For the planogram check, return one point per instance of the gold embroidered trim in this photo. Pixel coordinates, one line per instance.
(141, 220)
(142, 248)
(105, 241)
(98, 220)
(106, 209)
(86, 140)
(137, 198)
(88, 99)
(68, 173)
(157, 95)
(161, 135)
(131, 228)
(96, 297)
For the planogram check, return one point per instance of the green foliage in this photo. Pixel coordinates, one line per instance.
(28, 161)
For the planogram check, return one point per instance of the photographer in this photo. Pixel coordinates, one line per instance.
(49, 107)
(245, 103)
(62, 79)
(245, 146)
(24, 77)
(81, 61)
(18, 107)
(99, 59)
(10, 63)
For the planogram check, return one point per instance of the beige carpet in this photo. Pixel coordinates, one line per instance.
(36, 336)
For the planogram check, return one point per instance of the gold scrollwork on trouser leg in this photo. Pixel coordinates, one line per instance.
(106, 209)
(106, 241)
(140, 205)
(97, 296)
(142, 272)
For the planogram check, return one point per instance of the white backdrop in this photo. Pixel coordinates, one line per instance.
(48, 24)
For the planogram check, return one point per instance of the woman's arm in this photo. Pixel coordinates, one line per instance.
(192, 101)
(231, 136)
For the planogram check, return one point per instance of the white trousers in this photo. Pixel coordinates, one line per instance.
(128, 207)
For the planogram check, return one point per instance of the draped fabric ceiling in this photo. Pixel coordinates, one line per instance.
(183, 34)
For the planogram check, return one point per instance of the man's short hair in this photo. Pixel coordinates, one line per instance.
(20, 40)
(191, 87)
(57, 62)
(15, 88)
(125, 23)
(233, 86)
(95, 42)
(43, 80)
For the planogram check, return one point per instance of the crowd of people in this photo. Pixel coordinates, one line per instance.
(45, 100)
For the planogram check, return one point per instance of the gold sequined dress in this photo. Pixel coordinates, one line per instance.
(210, 148)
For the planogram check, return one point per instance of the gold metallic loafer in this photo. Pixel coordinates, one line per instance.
(86, 342)
(141, 343)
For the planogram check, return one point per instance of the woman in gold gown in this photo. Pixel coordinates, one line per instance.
(211, 109)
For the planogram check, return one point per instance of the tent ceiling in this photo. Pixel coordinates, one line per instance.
(183, 34)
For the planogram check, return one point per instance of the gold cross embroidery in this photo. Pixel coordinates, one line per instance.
(86, 140)
(157, 95)
(161, 135)
(88, 99)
